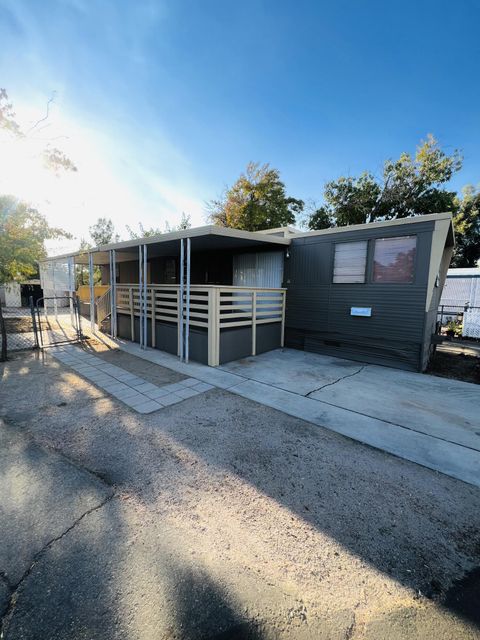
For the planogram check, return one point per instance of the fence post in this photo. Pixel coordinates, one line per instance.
(34, 321)
(3, 331)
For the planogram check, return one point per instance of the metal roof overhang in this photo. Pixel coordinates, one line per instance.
(210, 238)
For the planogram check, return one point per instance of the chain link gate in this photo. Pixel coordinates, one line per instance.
(62, 325)
(17, 329)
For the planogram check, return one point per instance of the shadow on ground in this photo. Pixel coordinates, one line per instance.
(217, 488)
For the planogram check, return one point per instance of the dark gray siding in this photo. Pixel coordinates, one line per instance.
(432, 311)
(318, 311)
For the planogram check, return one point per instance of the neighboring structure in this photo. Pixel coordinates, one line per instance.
(460, 301)
(462, 287)
(367, 292)
(17, 294)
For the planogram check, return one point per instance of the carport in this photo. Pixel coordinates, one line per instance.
(191, 292)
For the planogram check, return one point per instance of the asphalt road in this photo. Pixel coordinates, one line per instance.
(218, 518)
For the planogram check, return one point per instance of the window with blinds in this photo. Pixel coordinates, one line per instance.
(258, 270)
(350, 262)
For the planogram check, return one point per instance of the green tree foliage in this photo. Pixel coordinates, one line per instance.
(23, 231)
(467, 229)
(411, 185)
(103, 232)
(256, 201)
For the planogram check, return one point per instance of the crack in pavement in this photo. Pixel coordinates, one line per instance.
(330, 384)
(14, 589)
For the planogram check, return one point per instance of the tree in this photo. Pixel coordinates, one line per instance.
(184, 224)
(409, 186)
(53, 157)
(23, 231)
(142, 232)
(466, 222)
(256, 201)
(155, 231)
(103, 232)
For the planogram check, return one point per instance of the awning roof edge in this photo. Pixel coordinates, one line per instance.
(178, 235)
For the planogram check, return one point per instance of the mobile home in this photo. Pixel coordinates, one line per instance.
(365, 292)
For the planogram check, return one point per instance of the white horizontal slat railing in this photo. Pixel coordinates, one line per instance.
(212, 308)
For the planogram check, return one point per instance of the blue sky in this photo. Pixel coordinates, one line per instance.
(172, 99)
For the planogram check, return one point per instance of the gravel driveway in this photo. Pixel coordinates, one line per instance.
(219, 518)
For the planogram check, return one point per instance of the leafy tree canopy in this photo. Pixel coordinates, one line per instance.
(411, 185)
(103, 232)
(466, 222)
(23, 231)
(256, 201)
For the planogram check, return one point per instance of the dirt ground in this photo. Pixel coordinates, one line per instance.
(457, 360)
(222, 518)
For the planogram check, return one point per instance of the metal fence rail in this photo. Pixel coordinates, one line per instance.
(459, 320)
(18, 329)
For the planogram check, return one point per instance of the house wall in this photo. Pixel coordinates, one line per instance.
(318, 311)
(432, 311)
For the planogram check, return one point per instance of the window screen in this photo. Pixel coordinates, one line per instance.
(350, 262)
(394, 259)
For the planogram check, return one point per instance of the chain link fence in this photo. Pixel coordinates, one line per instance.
(459, 321)
(56, 322)
(17, 330)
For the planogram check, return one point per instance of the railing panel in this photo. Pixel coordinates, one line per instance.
(213, 308)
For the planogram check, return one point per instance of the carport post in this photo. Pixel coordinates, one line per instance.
(92, 291)
(187, 320)
(71, 285)
(180, 302)
(145, 314)
(140, 294)
(113, 296)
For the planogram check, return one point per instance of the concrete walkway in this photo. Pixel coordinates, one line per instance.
(132, 390)
(432, 421)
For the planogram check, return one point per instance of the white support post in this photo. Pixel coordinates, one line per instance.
(154, 311)
(282, 336)
(140, 294)
(132, 314)
(213, 327)
(92, 292)
(113, 294)
(254, 323)
(71, 286)
(180, 302)
(187, 319)
(145, 312)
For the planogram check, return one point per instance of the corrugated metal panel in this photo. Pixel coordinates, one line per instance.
(318, 310)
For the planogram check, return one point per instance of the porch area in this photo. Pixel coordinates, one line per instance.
(220, 323)
(208, 294)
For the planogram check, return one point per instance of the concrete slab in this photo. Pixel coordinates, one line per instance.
(148, 407)
(275, 368)
(431, 421)
(449, 458)
(440, 407)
